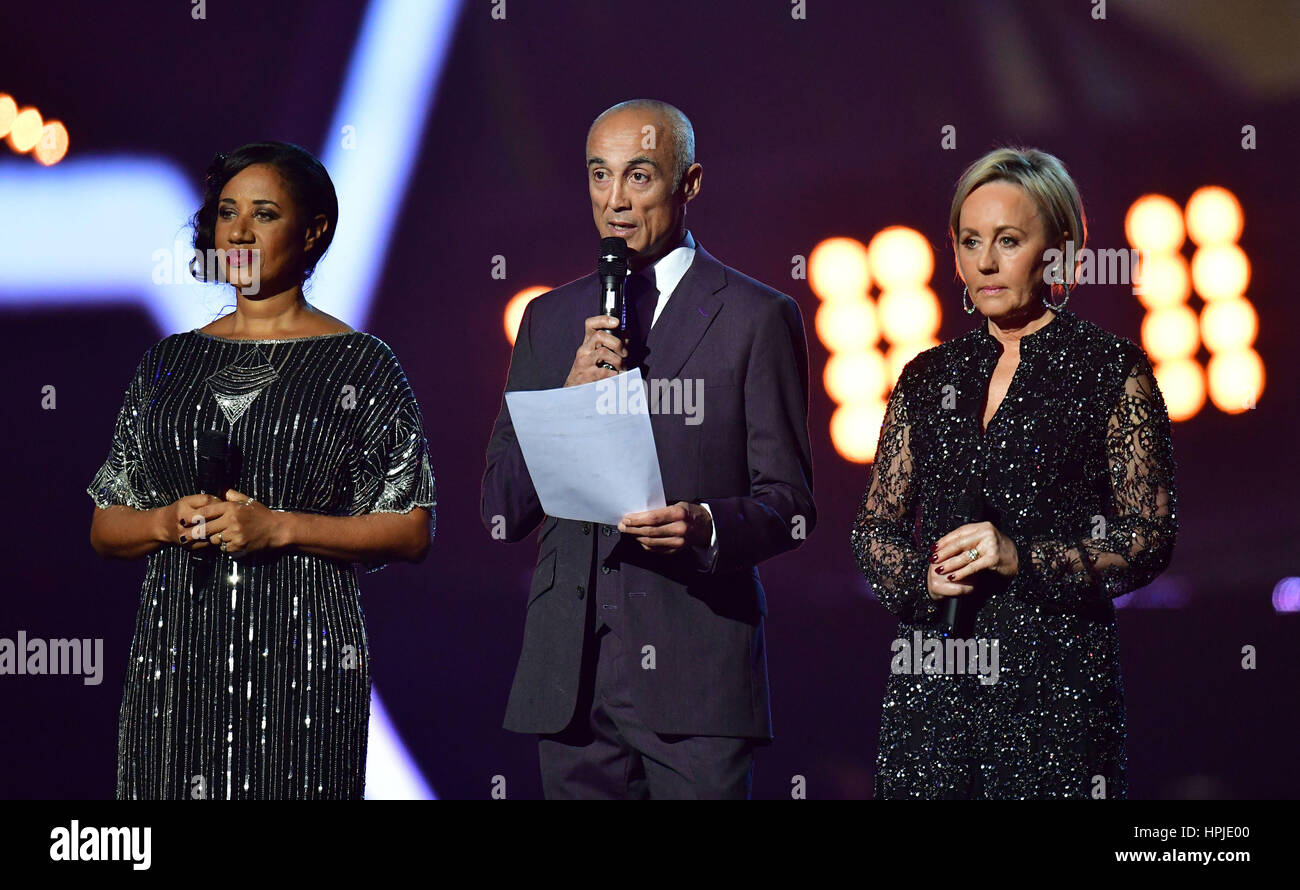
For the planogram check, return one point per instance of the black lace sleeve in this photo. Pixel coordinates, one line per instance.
(1133, 543)
(882, 533)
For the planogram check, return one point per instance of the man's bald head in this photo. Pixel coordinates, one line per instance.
(674, 125)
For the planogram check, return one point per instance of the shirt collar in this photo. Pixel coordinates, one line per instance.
(1045, 339)
(668, 271)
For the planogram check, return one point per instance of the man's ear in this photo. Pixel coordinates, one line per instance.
(691, 180)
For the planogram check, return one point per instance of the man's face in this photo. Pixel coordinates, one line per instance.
(630, 178)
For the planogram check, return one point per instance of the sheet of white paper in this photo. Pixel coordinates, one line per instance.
(590, 449)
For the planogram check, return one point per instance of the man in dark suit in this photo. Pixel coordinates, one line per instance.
(644, 669)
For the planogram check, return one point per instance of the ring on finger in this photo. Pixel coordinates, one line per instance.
(972, 554)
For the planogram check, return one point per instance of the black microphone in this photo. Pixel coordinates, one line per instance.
(216, 474)
(959, 611)
(611, 267)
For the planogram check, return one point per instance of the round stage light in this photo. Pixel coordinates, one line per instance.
(1213, 216)
(1229, 325)
(1236, 380)
(855, 430)
(847, 325)
(1154, 223)
(838, 269)
(1220, 272)
(855, 376)
(514, 312)
(1170, 333)
(900, 258)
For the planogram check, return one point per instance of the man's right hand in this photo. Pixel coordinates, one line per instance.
(599, 346)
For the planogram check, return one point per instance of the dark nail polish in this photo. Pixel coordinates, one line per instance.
(941, 570)
(182, 539)
(950, 577)
(934, 557)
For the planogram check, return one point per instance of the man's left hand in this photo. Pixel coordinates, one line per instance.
(669, 529)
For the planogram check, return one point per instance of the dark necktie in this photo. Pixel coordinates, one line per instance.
(641, 297)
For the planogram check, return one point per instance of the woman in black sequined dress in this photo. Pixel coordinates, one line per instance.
(249, 676)
(1057, 433)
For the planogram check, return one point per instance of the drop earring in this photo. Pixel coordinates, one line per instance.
(965, 293)
(1058, 278)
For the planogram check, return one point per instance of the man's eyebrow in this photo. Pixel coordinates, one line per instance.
(641, 159)
(255, 201)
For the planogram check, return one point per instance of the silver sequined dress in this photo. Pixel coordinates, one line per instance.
(1077, 468)
(257, 683)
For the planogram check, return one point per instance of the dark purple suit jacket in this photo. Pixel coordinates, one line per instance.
(749, 459)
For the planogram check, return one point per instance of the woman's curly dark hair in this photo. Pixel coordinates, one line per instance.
(308, 183)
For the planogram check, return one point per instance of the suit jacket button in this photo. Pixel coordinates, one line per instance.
(606, 531)
(582, 591)
(604, 570)
(586, 528)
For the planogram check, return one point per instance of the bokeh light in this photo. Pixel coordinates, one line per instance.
(1171, 332)
(1236, 380)
(900, 258)
(1182, 384)
(838, 269)
(514, 311)
(1166, 280)
(53, 144)
(855, 429)
(1155, 223)
(1229, 325)
(1213, 216)
(1220, 271)
(847, 325)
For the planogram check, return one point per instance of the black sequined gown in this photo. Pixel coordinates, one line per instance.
(1077, 468)
(256, 684)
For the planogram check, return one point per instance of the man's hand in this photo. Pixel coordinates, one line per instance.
(669, 529)
(599, 345)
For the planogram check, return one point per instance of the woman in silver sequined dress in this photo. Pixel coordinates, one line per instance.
(1036, 450)
(249, 672)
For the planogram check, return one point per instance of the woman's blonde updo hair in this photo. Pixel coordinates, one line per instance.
(1045, 179)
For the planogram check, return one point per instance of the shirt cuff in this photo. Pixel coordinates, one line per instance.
(710, 556)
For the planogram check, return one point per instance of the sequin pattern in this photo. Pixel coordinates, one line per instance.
(256, 683)
(1078, 470)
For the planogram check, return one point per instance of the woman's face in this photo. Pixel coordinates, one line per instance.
(1001, 238)
(258, 226)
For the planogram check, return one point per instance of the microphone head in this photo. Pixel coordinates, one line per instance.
(613, 258)
(212, 443)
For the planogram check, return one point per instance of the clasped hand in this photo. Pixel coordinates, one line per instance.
(951, 568)
(243, 525)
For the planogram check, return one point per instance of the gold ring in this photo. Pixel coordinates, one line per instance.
(972, 554)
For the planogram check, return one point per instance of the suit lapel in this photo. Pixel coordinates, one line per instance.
(686, 316)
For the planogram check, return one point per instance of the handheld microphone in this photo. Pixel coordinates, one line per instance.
(959, 611)
(217, 473)
(611, 267)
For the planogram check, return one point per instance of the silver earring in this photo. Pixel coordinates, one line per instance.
(1054, 306)
(965, 293)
